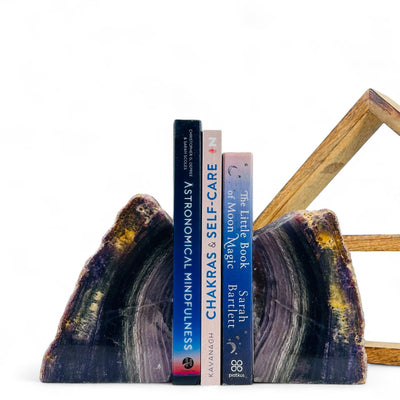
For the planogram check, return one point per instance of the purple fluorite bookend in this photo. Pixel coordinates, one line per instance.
(308, 322)
(117, 324)
(307, 311)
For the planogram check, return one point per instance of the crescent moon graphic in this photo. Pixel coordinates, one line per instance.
(233, 346)
(230, 168)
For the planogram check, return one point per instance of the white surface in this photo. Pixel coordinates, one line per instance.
(88, 94)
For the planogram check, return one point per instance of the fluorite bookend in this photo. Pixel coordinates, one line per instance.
(307, 311)
(117, 324)
(308, 321)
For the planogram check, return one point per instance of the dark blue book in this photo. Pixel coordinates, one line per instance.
(186, 328)
(237, 304)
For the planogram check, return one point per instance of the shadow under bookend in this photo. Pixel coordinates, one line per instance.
(308, 320)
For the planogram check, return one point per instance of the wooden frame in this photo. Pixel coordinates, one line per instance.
(359, 124)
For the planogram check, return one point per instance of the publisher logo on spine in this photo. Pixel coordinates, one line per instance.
(188, 362)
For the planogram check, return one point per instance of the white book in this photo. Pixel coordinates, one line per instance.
(211, 259)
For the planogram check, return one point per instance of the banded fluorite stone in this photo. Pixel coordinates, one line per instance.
(117, 324)
(308, 319)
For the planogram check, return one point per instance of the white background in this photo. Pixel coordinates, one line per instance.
(88, 94)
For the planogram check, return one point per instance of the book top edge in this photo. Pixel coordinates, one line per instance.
(237, 154)
(179, 121)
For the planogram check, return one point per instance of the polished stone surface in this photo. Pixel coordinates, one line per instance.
(308, 320)
(117, 324)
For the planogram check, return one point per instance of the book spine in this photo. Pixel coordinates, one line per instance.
(237, 325)
(211, 259)
(187, 253)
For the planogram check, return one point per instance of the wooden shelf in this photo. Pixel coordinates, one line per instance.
(352, 132)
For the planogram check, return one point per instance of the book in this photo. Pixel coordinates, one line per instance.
(186, 324)
(211, 259)
(237, 234)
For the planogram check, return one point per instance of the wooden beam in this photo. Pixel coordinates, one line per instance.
(385, 109)
(383, 353)
(372, 242)
(352, 132)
